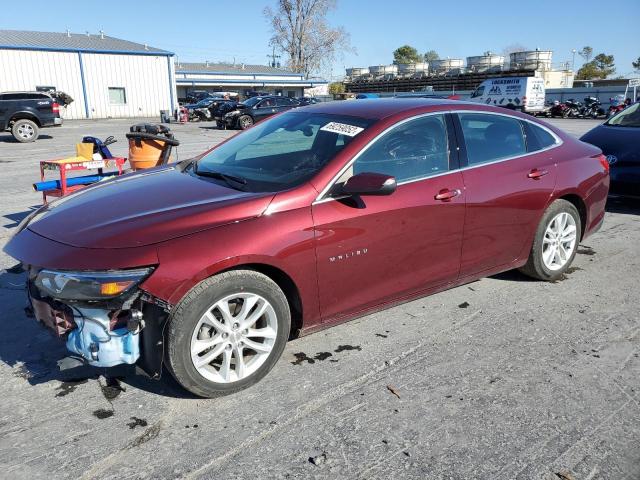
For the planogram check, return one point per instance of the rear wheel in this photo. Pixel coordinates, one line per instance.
(227, 333)
(24, 130)
(555, 243)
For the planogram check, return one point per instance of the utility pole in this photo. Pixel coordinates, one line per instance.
(573, 62)
(273, 58)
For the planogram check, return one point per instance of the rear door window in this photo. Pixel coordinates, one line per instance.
(490, 137)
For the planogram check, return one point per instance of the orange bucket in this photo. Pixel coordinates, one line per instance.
(145, 153)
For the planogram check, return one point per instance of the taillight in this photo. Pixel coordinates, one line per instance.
(603, 161)
(55, 107)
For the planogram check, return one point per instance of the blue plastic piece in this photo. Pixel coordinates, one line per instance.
(98, 345)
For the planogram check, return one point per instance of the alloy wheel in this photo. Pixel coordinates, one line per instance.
(234, 337)
(559, 241)
(25, 131)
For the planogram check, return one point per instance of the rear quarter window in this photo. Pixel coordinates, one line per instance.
(537, 137)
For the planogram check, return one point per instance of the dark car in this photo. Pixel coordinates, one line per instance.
(619, 140)
(306, 220)
(255, 109)
(304, 101)
(24, 113)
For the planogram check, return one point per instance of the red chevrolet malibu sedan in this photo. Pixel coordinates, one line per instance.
(306, 220)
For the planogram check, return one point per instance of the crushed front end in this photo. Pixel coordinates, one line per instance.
(103, 316)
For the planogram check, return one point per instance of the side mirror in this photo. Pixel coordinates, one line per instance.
(367, 183)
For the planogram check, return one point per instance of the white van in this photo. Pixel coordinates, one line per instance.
(516, 93)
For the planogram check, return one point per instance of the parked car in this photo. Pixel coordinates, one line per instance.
(254, 109)
(25, 113)
(525, 94)
(194, 96)
(304, 101)
(619, 139)
(196, 110)
(306, 220)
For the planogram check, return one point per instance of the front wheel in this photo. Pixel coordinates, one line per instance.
(555, 243)
(227, 333)
(245, 121)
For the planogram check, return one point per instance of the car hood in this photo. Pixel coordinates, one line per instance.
(145, 208)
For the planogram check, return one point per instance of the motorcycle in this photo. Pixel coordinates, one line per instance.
(559, 109)
(617, 104)
(574, 109)
(592, 108)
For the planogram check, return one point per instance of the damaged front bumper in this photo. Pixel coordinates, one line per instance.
(122, 330)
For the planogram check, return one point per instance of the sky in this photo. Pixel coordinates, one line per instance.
(222, 30)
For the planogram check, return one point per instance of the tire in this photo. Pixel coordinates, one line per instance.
(245, 121)
(24, 131)
(191, 325)
(537, 265)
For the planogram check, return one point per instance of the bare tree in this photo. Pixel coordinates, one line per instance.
(301, 31)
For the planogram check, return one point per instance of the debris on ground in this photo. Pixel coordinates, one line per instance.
(393, 390)
(318, 459)
(463, 305)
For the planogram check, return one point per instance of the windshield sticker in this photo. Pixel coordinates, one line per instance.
(343, 128)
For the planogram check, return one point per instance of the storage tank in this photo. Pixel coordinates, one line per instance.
(412, 68)
(379, 70)
(531, 60)
(485, 63)
(446, 64)
(357, 71)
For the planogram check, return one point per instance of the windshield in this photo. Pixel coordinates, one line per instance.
(250, 102)
(629, 117)
(281, 152)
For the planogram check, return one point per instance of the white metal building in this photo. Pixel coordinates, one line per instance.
(241, 78)
(107, 77)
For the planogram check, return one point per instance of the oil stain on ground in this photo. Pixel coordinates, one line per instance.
(303, 357)
(137, 422)
(112, 388)
(69, 386)
(344, 348)
(584, 250)
(103, 413)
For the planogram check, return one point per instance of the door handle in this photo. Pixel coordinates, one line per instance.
(445, 195)
(537, 174)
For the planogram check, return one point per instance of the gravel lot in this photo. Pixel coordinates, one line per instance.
(503, 378)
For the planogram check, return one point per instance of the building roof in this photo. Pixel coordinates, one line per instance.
(63, 41)
(229, 69)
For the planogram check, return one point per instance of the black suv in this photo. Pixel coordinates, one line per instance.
(24, 113)
(255, 109)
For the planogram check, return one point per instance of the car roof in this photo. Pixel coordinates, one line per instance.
(378, 108)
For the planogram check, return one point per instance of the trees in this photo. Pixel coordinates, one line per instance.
(586, 53)
(636, 65)
(406, 54)
(605, 64)
(300, 30)
(409, 54)
(336, 87)
(431, 55)
(600, 67)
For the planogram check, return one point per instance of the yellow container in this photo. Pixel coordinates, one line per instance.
(84, 150)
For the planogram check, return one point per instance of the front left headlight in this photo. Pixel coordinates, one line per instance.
(88, 286)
